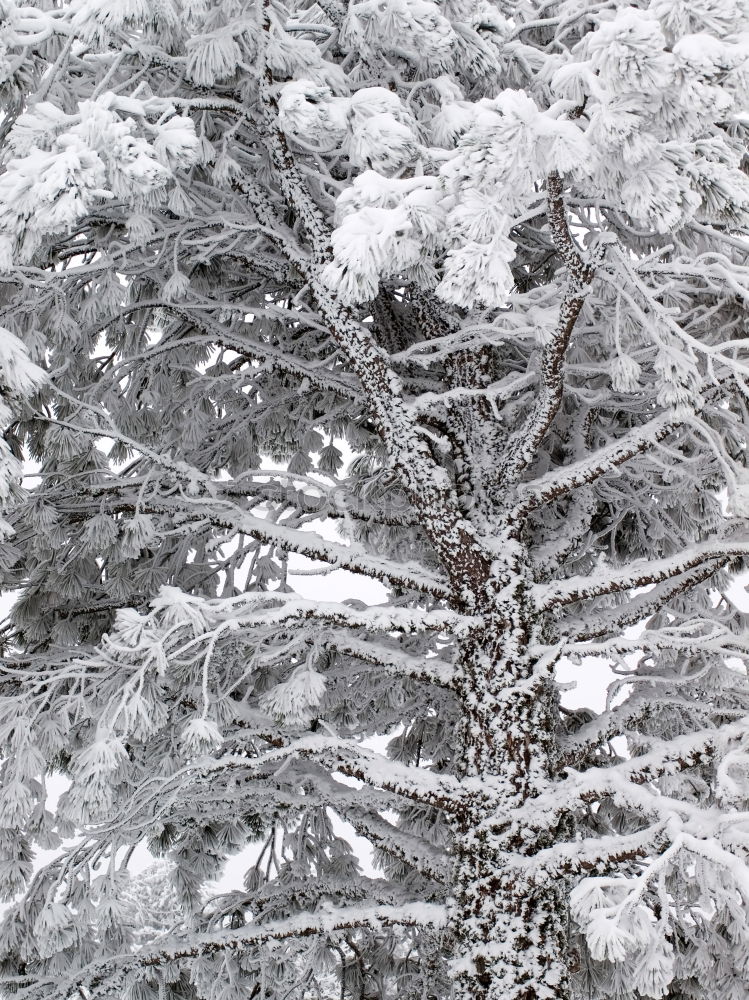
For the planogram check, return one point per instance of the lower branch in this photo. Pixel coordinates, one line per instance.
(642, 573)
(108, 976)
(640, 607)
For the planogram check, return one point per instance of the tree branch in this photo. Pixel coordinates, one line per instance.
(443, 791)
(591, 855)
(555, 484)
(643, 573)
(107, 976)
(639, 608)
(426, 483)
(624, 781)
(525, 444)
(432, 670)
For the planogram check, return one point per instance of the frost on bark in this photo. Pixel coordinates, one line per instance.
(375, 366)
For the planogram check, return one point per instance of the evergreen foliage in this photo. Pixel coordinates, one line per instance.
(451, 295)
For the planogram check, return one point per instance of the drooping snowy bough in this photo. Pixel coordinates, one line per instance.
(372, 360)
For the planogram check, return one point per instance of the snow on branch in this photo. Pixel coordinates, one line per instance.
(443, 791)
(411, 850)
(639, 574)
(352, 557)
(629, 781)
(560, 481)
(425, 482)
(592, 854)
(272, 608)
(580, 274)
(101, 978)
(641, 606)
(432, 669)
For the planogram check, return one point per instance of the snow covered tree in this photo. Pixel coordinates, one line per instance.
(446, 298)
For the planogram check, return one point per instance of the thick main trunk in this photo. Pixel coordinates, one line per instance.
(509, 929)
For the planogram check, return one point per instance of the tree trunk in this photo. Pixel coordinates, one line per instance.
(509, 929)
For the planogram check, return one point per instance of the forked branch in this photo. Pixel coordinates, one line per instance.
(580, 274)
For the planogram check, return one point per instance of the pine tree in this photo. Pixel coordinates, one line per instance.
(447, 298)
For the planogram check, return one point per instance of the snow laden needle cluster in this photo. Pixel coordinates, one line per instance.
(367, 371)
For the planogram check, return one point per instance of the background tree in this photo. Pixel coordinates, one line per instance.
(450, 296)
